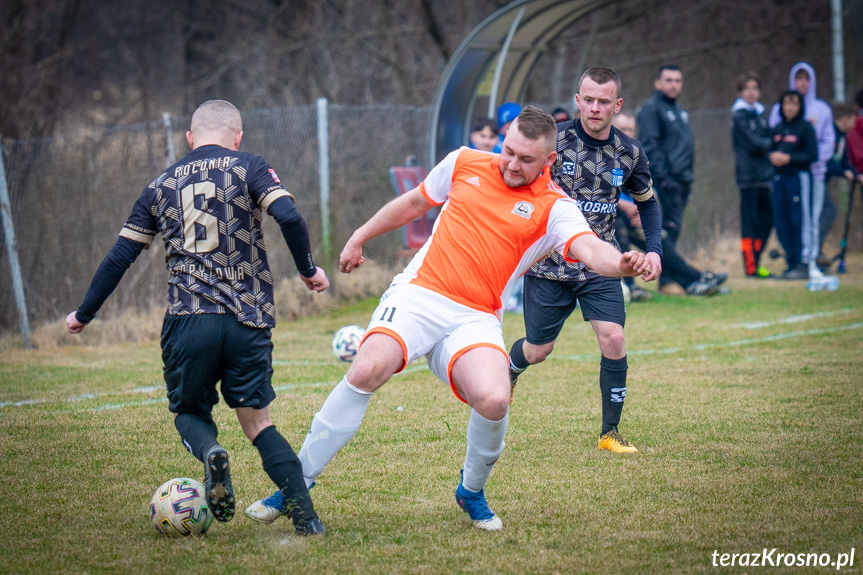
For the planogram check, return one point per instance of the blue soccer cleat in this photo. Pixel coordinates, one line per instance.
(475, 505)
(270, 508)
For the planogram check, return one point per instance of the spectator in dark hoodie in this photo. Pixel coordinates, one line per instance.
(818, 113)
(751, 137)
(793, 151)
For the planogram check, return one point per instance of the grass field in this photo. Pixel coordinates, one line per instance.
(746, 409)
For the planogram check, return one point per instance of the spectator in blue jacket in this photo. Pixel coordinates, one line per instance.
(818, 113)
(794, 149)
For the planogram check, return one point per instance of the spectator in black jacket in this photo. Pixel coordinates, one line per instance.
(751, 137)
(670, 146)
(794, 149)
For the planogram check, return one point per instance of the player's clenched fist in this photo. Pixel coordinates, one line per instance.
(317, 282)
(351, 257)
(633, 263)
(73, 325)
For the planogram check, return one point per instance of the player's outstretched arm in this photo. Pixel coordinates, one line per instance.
(393, 215)
(604, 258)
(107, 277)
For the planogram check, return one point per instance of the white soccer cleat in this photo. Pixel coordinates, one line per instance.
(493, 524)
(267, 510)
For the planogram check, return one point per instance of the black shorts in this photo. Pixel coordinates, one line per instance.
(198, 351)
(548, 304)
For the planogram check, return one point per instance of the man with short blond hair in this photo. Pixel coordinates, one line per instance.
(499, 214)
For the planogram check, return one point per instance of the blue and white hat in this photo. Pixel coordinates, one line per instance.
(507, 112)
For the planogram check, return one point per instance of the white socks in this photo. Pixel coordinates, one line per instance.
(332, 427)
(484, 446)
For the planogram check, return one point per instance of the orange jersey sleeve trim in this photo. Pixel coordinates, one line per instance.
(460, 353)
(395, 336)
(427, 197)
(569, 243)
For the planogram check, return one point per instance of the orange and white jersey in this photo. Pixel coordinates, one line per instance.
(488, 234)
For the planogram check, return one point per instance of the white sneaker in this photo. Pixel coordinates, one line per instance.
(814, 270)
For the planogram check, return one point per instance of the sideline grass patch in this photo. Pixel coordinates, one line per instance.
(746, 410)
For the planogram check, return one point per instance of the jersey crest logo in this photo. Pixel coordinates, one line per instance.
(473, 181)
(523, 209)
(670, 115)
(275, 177)
(568, 168)
(617, 177)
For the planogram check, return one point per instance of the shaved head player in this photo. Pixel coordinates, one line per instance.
(208, 208)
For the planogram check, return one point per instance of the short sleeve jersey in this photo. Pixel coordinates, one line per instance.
(593, 172)
(488, 233)
(208, 207)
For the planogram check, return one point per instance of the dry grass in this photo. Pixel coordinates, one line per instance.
(293, 301)
(747, 435)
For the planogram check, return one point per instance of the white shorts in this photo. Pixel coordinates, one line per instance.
(427, 323)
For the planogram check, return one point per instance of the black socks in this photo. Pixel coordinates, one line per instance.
(198, 435)
(516, 356)
(284, 468)
(612, 386)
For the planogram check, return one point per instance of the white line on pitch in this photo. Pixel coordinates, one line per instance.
(165, 399)
(668, 350)
(739, 342)
(791, 319)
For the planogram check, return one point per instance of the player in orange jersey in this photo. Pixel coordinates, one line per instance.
(500, 214)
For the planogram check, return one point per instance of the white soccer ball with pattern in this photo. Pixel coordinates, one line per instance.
(346, 342)
(179, 508)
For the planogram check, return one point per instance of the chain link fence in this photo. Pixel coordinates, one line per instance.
(70, 195)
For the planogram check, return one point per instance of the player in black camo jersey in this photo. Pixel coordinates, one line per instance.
(208, 208)
(594, 161)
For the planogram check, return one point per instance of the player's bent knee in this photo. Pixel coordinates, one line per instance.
(538, 353)
(613, 345)
(370, 374)
(493, 407)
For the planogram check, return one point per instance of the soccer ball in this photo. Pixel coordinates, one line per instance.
(627, 295)
(346, 342)
(179, 508)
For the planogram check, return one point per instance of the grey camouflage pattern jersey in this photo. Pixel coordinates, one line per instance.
(593, 172)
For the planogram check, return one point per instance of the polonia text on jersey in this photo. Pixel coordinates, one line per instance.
(202, 165)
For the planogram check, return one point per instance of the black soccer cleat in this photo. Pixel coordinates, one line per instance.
(302, 513)
(217, 482)
(311, 527)
(718, 278)
(638, 293)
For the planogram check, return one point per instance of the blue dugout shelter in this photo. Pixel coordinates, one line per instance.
(493, 65)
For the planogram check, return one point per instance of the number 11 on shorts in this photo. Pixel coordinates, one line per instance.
(391, 311)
